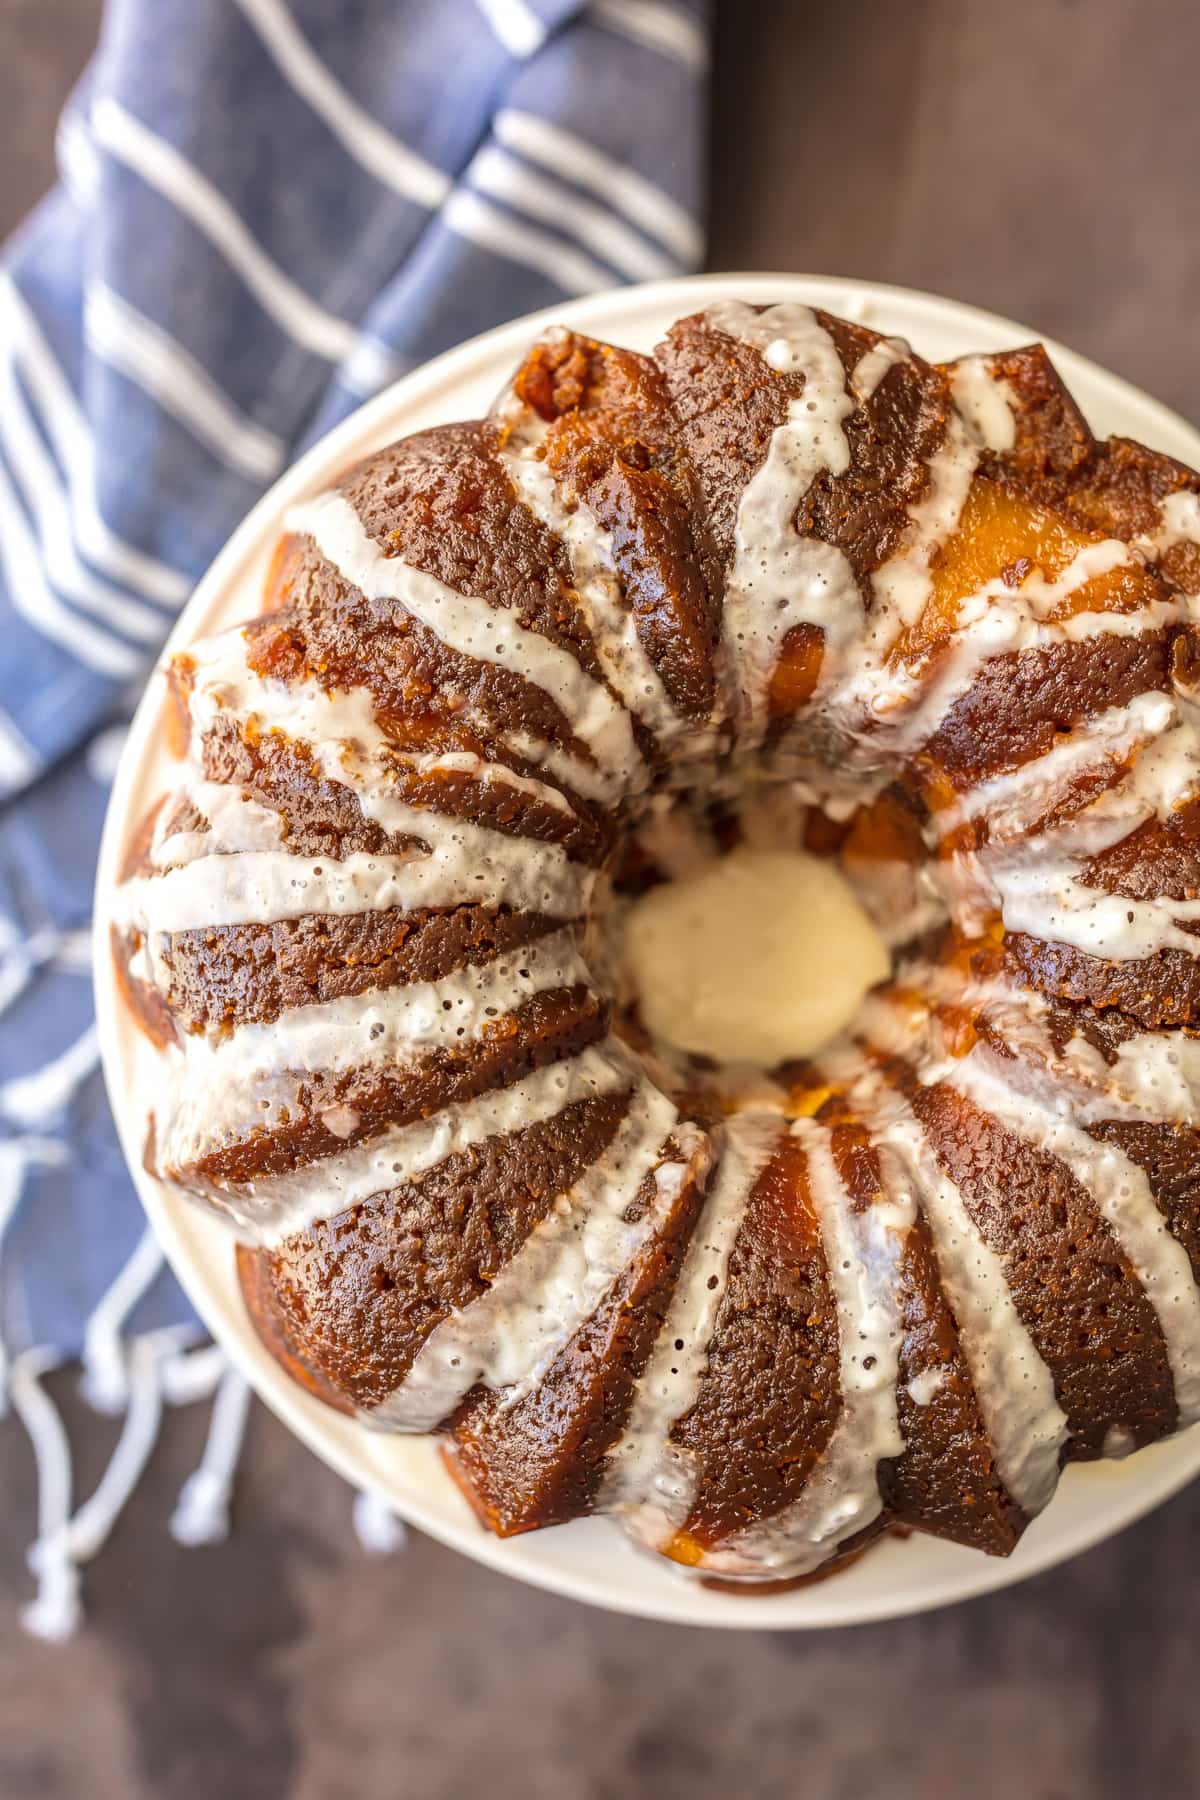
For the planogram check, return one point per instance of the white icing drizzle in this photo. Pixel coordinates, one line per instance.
(1164, 774)
(862, 1253)
(259, 887)
(1122, 1195)
(904, 583)
(1157, 1070)
(1013, 1385)
(611, 621)
(1048, 901)
(511, 1334)
(1119, 1442)
(874, 364)
(486, 633)
(779, 579)
(215, 1081)
(488, 774)
(271, 1208)
(1154, 1077)
(924, 1388)
(564, 765)
(339, 728)
(909, 709)
(1036, 882)
(237, 821)
(1014, 801)
(385, 1024)
(1042, 594)
(1179, 524)
(986, 401)
(239, 871)
(645, 1471)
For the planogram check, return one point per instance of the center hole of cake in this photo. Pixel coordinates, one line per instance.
(758, 957)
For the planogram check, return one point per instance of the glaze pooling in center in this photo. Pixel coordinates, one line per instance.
(760, 956)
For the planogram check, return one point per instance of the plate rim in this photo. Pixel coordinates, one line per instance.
(1164, 1469)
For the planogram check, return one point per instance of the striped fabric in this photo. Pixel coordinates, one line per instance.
(268, 209)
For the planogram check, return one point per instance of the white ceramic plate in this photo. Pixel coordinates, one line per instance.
(589, 1560)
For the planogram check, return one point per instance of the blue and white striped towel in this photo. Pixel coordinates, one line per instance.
(268, 210)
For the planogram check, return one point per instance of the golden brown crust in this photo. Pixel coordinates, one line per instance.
(541, 1461)
(309, 1115)
(263, 1303)
(614, 438)
(225, 975)
(360, 1292)
(946, 1481)
(659, 452)
(770, 1396)
(1072, 1284)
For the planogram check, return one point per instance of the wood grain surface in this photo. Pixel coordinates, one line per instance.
(1037, 158)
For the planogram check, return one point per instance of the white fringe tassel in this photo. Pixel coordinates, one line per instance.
(135, 1377)
(379, 1531)
(201, 1513)
(17, 1157)
(106, 1376)
(66, 1541)
(193, 1375)
(56, 1611)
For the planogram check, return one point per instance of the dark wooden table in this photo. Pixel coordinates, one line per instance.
(1038, 158)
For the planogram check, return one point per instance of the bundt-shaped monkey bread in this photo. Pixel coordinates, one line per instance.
(783, 583)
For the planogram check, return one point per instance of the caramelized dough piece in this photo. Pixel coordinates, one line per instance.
(358, 1294)
(323, 817)
(225, 975)
(946, 1482)
(1051, 438)
(1169, 1155)
(1019, 702)
(151, 1009)
(1004, 538)
(729, 401)
(324, 629)
(1158, 991)
(442, 501)
(892, 438)
(370, 1099)
(540, 1461)
(1161, 857)
(1114, 488)
(771, 1396)
(1072, 1285)
(614, 442)
(275, 1328)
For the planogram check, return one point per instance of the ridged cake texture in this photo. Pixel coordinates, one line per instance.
(784, 584)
